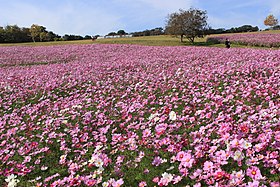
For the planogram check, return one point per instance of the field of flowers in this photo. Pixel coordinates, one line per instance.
(255, 39)
(127, 115)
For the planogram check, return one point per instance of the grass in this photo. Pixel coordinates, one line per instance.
(47, 43)
(163, 40)
(166, 40)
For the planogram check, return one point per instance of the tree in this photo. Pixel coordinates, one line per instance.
(191, 23)
(121, 32)
(72, 37)
(12, 33)
(15, 34)
(52, 36)
(270, 20)
(25, 35)
(112, 34)
(87, 37)
(35, 32)
(151, 32)
(2, 34)
(156, 31)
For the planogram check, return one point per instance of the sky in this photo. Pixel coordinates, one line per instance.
(92, 17)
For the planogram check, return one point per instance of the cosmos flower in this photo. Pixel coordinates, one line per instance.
(172, 116)
(254, 172)
(12, 180)
(98, 111)
(118, 183)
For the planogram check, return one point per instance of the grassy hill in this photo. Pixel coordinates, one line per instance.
(163, 40)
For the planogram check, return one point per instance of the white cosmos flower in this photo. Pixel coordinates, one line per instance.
(105, 184)
(167, 176)
(246, 145)
(152, 116)
(238, 155)
(172, 116)
(98, 162)
(12, 181)
(44, 168)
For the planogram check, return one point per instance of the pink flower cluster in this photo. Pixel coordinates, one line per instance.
(255, 39)
(127, 115)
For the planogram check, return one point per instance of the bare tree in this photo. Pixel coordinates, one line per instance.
(191, 23)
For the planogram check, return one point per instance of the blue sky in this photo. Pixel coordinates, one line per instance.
(93, 17)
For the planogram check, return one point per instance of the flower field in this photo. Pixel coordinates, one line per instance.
(255, 39)
(127, 115)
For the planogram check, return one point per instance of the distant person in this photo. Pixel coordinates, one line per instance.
(227, 43)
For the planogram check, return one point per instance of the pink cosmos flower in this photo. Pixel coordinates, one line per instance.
(235, 143)
(184, 171)
(166, 179)
(103, 78)
(187, 160)
(146, 133)
(156, 179)
(208, 115)
(208, 165)
(157, 161)
(275, 184)
(118, 183)
(90, 182)
(192, 119)
(142, 184)
(219, 174)
(237, 178)
(177, 179)
(253, 184)
(196, 173)
(180, 155)
(160, 129)
(254, 172)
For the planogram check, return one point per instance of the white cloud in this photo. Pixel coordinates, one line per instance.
(275, 8)
(251, 12)
(100, 17)
(71, 18)
(232, 20)
(167, 5)
(148, 14)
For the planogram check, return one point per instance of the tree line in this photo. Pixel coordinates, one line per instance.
(147, 32)
(190, 24)
(269, 21)
(244, 28)
(36, 33)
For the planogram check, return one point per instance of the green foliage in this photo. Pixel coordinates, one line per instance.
(15, 34)
(35, 31)
(147, 32)
(121, 32)
(191, 23)
(71, 37)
